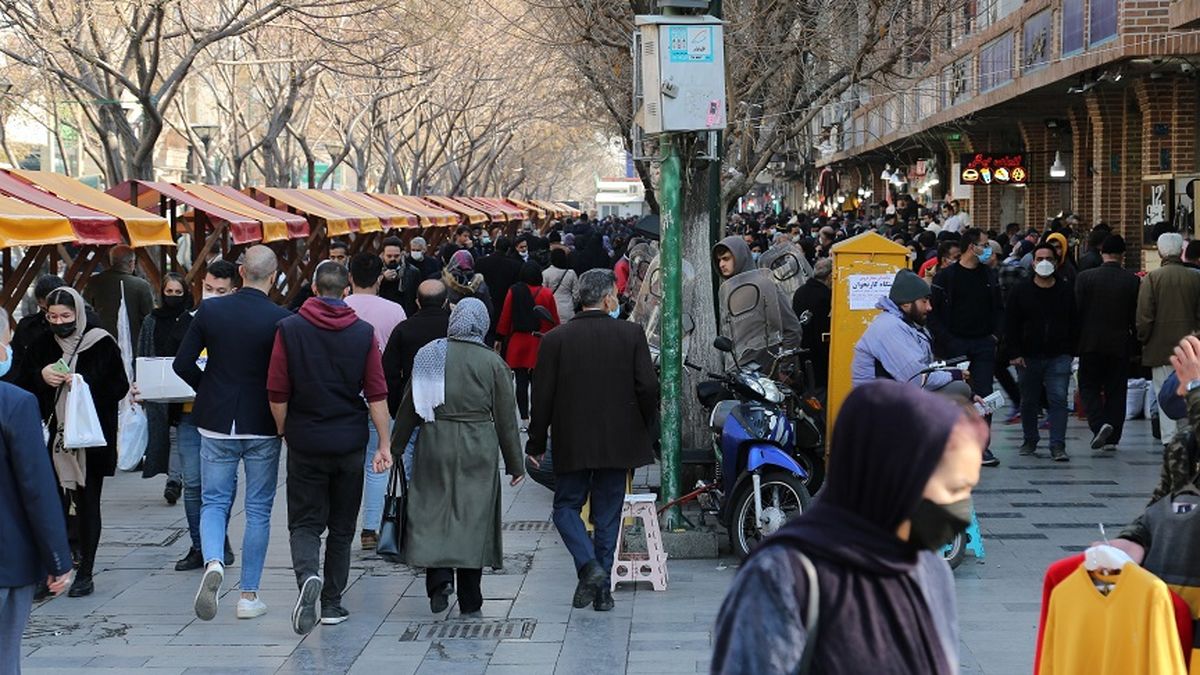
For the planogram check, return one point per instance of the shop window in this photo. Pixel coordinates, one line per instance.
(1103, 21)
(995, 63)
(1035, 42)
(1072, 26)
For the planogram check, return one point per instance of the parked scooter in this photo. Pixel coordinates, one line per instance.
(757, 485)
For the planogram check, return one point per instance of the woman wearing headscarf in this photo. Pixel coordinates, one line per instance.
(461, 397)
(561, 280)
(463, 282)
(521, 328)
(161, 334)
(86, 349)
(896, 492)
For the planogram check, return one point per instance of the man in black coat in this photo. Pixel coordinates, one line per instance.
(816, 298)
(429, 323)
(595, 385)
(35, 531)
(235, 424)
(1106, 299)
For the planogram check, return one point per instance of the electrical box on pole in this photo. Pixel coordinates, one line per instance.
(682, 65)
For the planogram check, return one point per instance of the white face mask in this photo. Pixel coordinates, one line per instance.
(207, 296)
(1044, 268)
(418, 255)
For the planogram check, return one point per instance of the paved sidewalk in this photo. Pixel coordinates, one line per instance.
(1033, 511)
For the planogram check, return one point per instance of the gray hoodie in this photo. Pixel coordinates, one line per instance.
(755, 313)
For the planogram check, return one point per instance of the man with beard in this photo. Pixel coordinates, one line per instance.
(896, 346)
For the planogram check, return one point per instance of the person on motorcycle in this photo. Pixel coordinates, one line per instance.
(897, 346)
(755, 313)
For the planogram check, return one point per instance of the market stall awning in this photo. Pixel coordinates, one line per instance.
(277, 225)
(90, 226)
(148, 195)
(390, 218)
(337, 221)
(143, 229)
(472, 215)
(553, 209)
(534, 211)
(367, 221)
(23, 224)
(571, 210)
(514, 213)
(494, 214)
(429, 215)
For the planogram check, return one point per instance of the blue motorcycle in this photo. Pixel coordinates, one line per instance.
(757, 486)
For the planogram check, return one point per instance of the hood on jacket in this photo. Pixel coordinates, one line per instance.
(324, 314)
(885, 303)
(740, 250)
(1061, 240)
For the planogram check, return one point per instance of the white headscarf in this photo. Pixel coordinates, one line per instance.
(469, 322)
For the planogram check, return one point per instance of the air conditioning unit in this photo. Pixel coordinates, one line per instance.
(682, 61)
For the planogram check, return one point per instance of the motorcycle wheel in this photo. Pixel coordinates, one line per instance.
(784, 496)
(956, 550)
(814, 465)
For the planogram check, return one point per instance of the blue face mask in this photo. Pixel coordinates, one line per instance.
(6, 365)
(986, 255)
(616, 314)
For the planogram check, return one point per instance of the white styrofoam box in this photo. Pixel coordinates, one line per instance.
(683, 73)
(158, 383)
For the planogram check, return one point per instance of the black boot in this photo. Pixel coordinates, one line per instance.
(591, 578)
(603, 601)
(194, 560)
(82, 586)
(172, 492)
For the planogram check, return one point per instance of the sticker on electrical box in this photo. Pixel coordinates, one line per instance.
(690, 44)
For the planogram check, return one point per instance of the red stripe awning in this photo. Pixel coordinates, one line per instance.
(277, 225)
(242, 229)
(90, 226)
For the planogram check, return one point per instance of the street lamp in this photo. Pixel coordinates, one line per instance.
(205, 133)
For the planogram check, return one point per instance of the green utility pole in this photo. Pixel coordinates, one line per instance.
(670, 202)
(715, 203)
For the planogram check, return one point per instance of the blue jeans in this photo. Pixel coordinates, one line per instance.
(374, 484)
(1053, 372)
(187, 445)
(607, 490)
(410, 450)
(218, 467)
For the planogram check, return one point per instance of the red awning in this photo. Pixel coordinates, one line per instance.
(429, 215)
(90, 226)
(295, 226)
(337, 221)
(242, 229)
(494, 214)
(470, 213)
(514, 213)
(142, 228)
(390, 218)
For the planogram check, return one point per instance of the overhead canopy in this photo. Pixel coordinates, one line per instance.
(472, 215)
(367, 221)
(390, 217)
(144, 229)
(553, 209)
(91, 227)
(534, 211)
(514, 213)
(494, 214)
(277, 225)
(428, 214)
(23, 224)
(242, 229)
(568, 209)
(337, 222)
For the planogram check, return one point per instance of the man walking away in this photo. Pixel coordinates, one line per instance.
(35, 532)
(103, 292)
(967, 316)
(366, 273)
(1040, 324)
(595, 386)
(324, 362)
(235, 424)
(1168, 308)
(1106, 299)
(816, 298)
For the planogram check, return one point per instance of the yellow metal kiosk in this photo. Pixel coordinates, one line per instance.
(863, 269)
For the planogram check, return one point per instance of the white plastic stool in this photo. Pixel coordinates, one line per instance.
(649, 566)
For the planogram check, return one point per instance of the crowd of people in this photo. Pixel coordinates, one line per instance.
(432, 354)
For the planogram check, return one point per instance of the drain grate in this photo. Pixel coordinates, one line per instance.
(141, 536)
(527, 526)
(481, 629)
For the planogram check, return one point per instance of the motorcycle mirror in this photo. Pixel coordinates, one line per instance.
(723, 343)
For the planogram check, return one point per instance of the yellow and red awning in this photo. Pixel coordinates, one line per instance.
(535, 212)
(338, 221)
(390, 218)
(428, 214)
(90, 226)
(23, 224)
(142, 228)
(471, 214)
(277, 225)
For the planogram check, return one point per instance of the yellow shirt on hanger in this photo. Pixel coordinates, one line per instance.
(1130, 631)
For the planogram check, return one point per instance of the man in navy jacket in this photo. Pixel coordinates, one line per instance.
(37, 549)
(235, 424)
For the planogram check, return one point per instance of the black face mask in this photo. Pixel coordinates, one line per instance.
(172, 301)
(935, 525)
(393, 265)
(63, 330)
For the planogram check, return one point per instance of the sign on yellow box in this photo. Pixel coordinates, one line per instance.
(863, 269)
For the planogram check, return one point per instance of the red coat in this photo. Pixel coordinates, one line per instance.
(521, 349)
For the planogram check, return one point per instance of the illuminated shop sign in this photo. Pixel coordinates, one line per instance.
(985, 168)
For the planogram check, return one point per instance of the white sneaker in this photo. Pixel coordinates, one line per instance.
(250, 609)
(210, 590)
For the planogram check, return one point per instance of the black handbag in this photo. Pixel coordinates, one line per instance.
(395, 516)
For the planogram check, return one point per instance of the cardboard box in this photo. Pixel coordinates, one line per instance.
(158, 383)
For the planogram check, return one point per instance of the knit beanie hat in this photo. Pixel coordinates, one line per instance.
(908, 287)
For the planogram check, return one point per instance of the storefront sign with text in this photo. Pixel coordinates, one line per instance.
(985, 168)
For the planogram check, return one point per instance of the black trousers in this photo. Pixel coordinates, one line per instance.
(524, 378)
(323, 493)
(470, 595)
(1103, 384)
(87, 516)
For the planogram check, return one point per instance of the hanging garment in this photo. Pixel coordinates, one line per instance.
(1129, 631)
(1060, 570)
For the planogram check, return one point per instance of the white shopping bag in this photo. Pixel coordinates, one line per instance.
(133, 430)
(81, 428)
